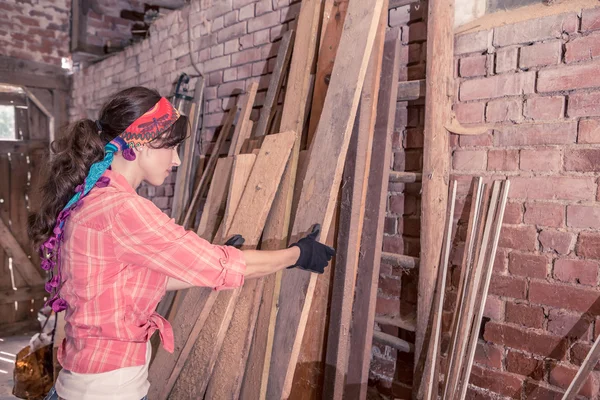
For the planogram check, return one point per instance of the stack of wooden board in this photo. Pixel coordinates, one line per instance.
(269, 338)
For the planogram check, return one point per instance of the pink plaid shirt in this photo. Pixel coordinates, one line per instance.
(118, 251)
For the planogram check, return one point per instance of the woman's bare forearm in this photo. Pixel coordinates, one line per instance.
(264, 262)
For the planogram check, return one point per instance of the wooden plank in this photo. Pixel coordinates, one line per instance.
(197, 304)
(405, 177)
(472, 286)
(584, 371)
(22, 265)
(411, 90)
(352, 212)
(330, 40)
(240, 172)
(216, 199)
(282, 64)
(10, 146)
(433, 355)
(9, 296)
(372, 234)
(7, 312)
(483, 291)
(242, 132)
(321, 184)
(276, 233)
(230, 350)
(27, 73)
(202, 185)
(181, 194)
(436, 161)
(29, 326)
(400, 260)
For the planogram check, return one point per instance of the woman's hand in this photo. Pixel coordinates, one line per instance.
(314, 256)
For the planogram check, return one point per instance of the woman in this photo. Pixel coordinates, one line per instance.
(113, 254)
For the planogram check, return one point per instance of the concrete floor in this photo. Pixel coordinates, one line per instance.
(9, 347)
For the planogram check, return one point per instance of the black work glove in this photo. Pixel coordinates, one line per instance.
(235, 241)
(314, 256)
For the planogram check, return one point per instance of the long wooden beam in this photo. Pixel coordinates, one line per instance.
(281, 66)
(22, 265)
(436, 161)
(352, 214)
(361, 333)
(321, 184)
(276, 231)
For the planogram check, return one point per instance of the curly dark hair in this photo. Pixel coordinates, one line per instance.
(82, 145)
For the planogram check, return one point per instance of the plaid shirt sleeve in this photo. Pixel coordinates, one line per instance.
(144, 235)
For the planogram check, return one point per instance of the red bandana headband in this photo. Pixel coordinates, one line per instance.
(147, 127)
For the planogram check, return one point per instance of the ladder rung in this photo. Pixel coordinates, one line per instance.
(408, 324)
(393, 341)
(400, 260)
(411, 90)
(405, 177)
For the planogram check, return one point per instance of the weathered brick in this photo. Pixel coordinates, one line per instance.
(264, 21)
(246, 56)
(518, 237)
(528, 340)
(535, 30)
(541, 391)
(524, 364)
(556, 241)
(582, 160)
(579, 351)
(471, 42)
(497, 86)
(584, 105)
(586, 217)
(545, 108)
(566, 324)
(562, 376)
(469, 113)
(545, 214)
(590, 19)
(488, 355)
(494, 308)
(568, 78)
(589, 131)
(553, 188)
(503, 160)
(217, 63)
(575, 298)
(231, 32)
(506, 60)
(473, 66)
(230, 88)
(541, 54)
(588, 245)
(389, 307)
(503, 110)
(583, 48)
(576, 271)
(246, 12)
(508, 286)
(528, 265)
(469, 159)
(525, 315)
(540, 160)
(485, 139)
(513, 214)
(541, 134)
(498, 382)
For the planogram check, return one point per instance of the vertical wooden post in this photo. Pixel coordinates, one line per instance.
(436, 161)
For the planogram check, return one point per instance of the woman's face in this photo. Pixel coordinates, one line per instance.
(158, 163)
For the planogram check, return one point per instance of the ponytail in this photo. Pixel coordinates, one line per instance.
(71, 158)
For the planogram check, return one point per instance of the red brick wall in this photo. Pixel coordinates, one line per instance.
(539, 81)
(234, 43)
(106, 27)
(35, 30)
